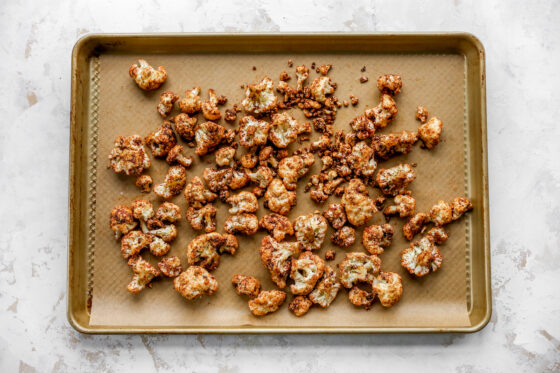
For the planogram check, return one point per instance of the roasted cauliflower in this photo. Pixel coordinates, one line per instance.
(357, 204)
(430, 132)
(203, 217)
(361, 298)
(161, 141)
(196, 193)
(276, 257)
(422, 114)
(218, 180)
(278, 198)
(244, 223)
(195, 282)
(225, 156)
(335, 215)
(306, 271)
(311, 230)
(122, 220)
(386, 146)
(344, 237)
(277, 225)
(302, 73)
(209, 107)
(144, 182)
(262, 176)
(459, 206)
(388, 288)
(415, 225)
(146, 77)
(175, 155)
(358, 267)
(395, 180)
(300, 305)
(389, 84)
(185, 125)
(321, 87)
(208, 136)
(437, 235)
(192, 103)
(260, 98)
(362, 161)
(253, 132)
(384, 113)
(267, 302)
(168, 212)
(174, 182)
(144, 273)
(204, 250)
(421, 258)
(285, 129)
(246, 285)
(292, 168)
(326, 290)
(243, 202)
(158, 247)
(441, 213)
(166, 101)
(170, 267)
(129, 156)
(404, 206)
(133, 243)
(377, 237)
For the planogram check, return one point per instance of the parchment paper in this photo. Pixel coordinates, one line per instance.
(434, 81)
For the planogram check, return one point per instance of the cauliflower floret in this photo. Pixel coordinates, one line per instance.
(361, 298)
(326, 290)
(363, 126)
(276, 257)
(166, 101)
(386, 146)
(306, 271)
(300, 305)
(167, 233)
(122, 220)
(243, 223)
(196, 193)
(362, 161)
(421, 258)
(335, 215)
(174, 182)
(217, 180)
(129, 156)
(395, 180)
(389, 84)
(377, 237)
(437, 235)
(344, 237)
(161, 141)
(415, 225)
(142, 210)
(322, 143)
(441, 213)
(267, 158)
(388, 288)
(384, 113)
(278, 198)
(144, 273)
(302, 73)
(208, 136)
(246, 285)
(285, 130)
(204, 217)
(422, 114)
(185, 125)
(144, 182)
(311, 230)
(253, 132)
(176, 155)
(358, 267)
(260, 98)
(134, 242)
(243, 202)
(357, 204)
(192, 103)
(195, 282)
(277, 225)
(204, 250)
(404, 206)
(249, 160)
(170, 267)
(209, 107)
(230, 246)
(267, 302)
(430, 132)
(159, 247)
(146, 77)
(168, 212)
(459, 206)
(292, 168)
(225, 156)
(321, 87)
(262, 176)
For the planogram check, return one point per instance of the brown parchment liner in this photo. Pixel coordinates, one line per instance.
(434, 81)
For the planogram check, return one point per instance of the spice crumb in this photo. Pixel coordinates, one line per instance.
(354, 100)
(363, 79)
(254, 68)
(290, 63)
(345, 103)
(312, 65)
(363, 69)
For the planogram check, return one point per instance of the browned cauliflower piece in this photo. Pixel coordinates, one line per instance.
(321, 87)
(422, 114)
(267, 157)
(344, 237)
(144, 182)
(158, 247)
(133, 243)
(292, 168)
(311, 230)
(386, 146)
(357, 204)
(170, 267)
(209, 107)
(142, 210)
(421, 258)
(243, 202)
(276, 257)
(146, 77)
(459, 206)
(362, 161)
(174, 182)
(267, 302)
(230, 246)
(395, 180)
(208, 136)
(253, 132)
(415, 225)
(404, 206)
(167, 233)
(239, 178)
(246, 285)
(390, 84)
(196, 193)
(364, 127)
(262, 176)
(437, 235)
(358, 267)
(144, 273)
(195, 282)
(192, 103)
(166, 101)
(330, 255)
(225, 156)
(302, 73)
(203, 217)
(260, 98)
(284, 130)
(300, 305)
(278, 198)
(185, 125)
(175, 155)
(388, 288)
(430, 132)
(361, 298)
(161, 141)
(204, 250)
(384, 113)
(277, 225)
(335, 215)
(326, 290)
(168, 212)
(249, 160)
(377, 237)
(129, 156)
(217, 180)
(306, 271)
(441, 213)
(247, 224)
(122, 220)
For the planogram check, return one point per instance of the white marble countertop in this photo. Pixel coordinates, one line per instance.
(522, 41)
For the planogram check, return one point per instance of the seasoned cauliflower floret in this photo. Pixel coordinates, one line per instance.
(170, 267)
(284, 130)
(239, 178)
(146, 77)
(437, 235)
(196, 193)
(386, 146)
(306, 271)
(335, 215)
(300, 305)
(262, 176)
(166, 101)
(122, 220)
(364, 127)
(208, 136)
(311, 230)
(249, 160)
(389, 84)
(321, 87)
(260, 98)
(357, 204)
(133, 242)
(404, 206)
(278, 198)
(377, 237)
(158, 247)
(441, 213)
(185, 125)
(422, 114)
(421, 258)
(253, 132)
(225, 156)
(144, 182)
(144, 273)
(395, 180)
(203, 217)
(242, 202)
(276, 257)
(246, 285)
(217, 180)
(344, 237)
(361, 298)
(415, 225)
(459, 206)
(204, 250)
(362, 161)
(243, 223)
(161, 141)
(195, 282)
(267, 302)
(277, 225)
(292, 168)
(129, 156)
(142, 210)
(388, 288)
(430, 132)
(384, 113)
(358, 267)
(302, 73)
(192, 103)
(209, 107)
(174, 182)
(175, 155)
(167, 233)
(326, 290)
(168, 212)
